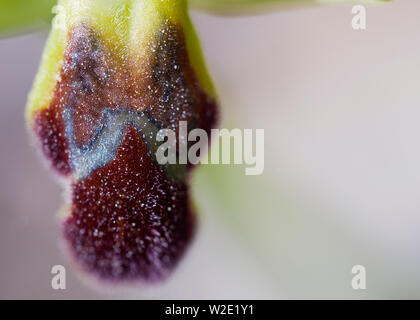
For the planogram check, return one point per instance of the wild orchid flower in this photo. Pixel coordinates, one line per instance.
(113, 74)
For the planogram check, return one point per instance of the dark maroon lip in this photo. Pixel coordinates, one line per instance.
(128, 220)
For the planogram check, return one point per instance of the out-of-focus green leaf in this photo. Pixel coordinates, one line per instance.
(253, 6)
(19, 15)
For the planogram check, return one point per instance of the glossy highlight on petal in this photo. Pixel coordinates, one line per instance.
(117, 82)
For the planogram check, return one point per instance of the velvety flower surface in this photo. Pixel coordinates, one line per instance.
(113, 74)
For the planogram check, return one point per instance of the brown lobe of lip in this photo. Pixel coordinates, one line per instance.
(119, 226)
(127, 220)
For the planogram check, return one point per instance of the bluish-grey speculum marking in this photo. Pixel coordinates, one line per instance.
(103, 146)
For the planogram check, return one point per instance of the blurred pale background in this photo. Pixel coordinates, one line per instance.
(341, 186)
